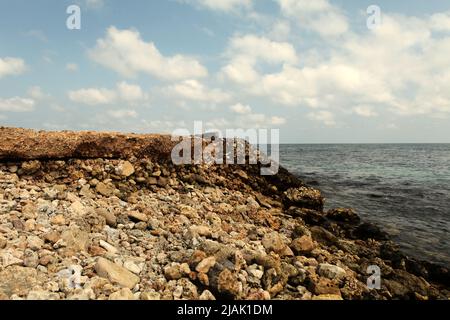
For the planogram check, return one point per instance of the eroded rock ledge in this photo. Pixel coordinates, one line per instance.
(113, 208)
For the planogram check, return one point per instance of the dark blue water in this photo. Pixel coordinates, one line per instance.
(403, 188)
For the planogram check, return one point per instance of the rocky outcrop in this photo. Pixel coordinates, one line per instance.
(108, 216)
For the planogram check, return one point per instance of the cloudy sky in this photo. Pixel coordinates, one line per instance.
(312, 69)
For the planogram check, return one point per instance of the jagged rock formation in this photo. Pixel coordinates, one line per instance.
(108, 216)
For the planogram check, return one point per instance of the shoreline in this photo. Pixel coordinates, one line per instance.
(141, 228)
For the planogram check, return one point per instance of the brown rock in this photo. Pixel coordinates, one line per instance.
(115, 273)
(303, 245)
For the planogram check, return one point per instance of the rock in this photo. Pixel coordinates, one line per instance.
(203, 231)
(105, 189)
(207, 295)
(7, 259)
(110, 248)
(303, 245)
(52, 237)
(327, 297)
(78, 208)
(34, 242)
(19, 280)
(173, 272)
(205, 265)
(60, 220)
(228, 284)
(330, 271)
(273, 242)
(76, 239)
(343, 215)
(133, 267)
(324, 286)
(153, 296)
(370, 231)
(115, 273)
(137, 216)
(125, 169)
(3, 242)
(110, 218)
(42, 295)
(30, 167)
(31, 259)
(304, 197)
(122, 294)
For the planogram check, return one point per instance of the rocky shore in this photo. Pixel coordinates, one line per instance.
(108, 216)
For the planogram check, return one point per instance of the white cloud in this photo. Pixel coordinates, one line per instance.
(126, 53)
(318, 15)
(122, 113)
(221, 5)
(326, 117)
(37, 94)
(93, 96)
(247, 52)
(124, 92)
(17, 104)
(131, 92)
(241, 109)
(73, 67)
(11, 66)
(365, 111)
(196, 91)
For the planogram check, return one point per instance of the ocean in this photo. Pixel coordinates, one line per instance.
(403, 188)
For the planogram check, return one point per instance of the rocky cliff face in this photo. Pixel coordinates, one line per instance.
(108, 216)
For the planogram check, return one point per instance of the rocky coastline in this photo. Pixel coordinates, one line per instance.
(107, 216)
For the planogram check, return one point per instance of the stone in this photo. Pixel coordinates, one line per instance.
(40, 295)
(78, 208)
(324, 286)
(343, 215)
(7, 259)
(19, 280)
(34, 242)
(332, 297)
(273, 242)
(207, 296)
(31, 259)
(228, 284)
(133, 267)
(108, 247)
(123, 294)
(76, 239)
(110, 217)
(116, 274)
(105, 189)
(137, 216)
(59, 219)
(3, 242)
(173, 272)
(330, 271)
(205, 265)
(150, 296)
(304, 197)
(125, 169)
(203, 231)
(303, 245)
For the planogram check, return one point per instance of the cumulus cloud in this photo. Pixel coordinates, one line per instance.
(125, 52)
(93, 96)
(248, 51)
(221, 5)
(17, 104)
(241, 109)
(319, 16)
(124, 92)
(390, 69)
(11, 66)
(37, 94)
(196, 91)
(122, 113)
(326, 117)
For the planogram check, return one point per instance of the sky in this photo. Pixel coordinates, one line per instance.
(312, 69)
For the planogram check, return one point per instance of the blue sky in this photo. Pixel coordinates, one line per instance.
(311, 69)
